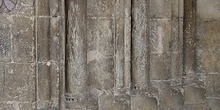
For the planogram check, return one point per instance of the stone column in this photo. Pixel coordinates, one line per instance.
(76, 55)
(202, 66)
(140, 44)
(48, 52)
(194, 93)
(122, 47)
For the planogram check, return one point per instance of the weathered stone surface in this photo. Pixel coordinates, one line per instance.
(5, 38)
(101, 78)
(140, 40)
(176, 67)
(208, 9)
(163, 9)
(109, 102)
(208, 36)
(214, 104)
(100, 37)
(208, 46)
(119, 53)
(176, 40)
(194, 95)
(110, 55)
(100, 52)
(213, 85)
(177, 8)
(17, 105)
(160, 36)
(20, 83)
(43, 7)
(142, 102)
(170, 97)
(160, 66)
(55, 38)
(24, 7)
(4, 69)
(48, 8)
(23, 39)
(100, 8)
(196, 107)
(208, 61)
(55, 8)
(43, 39)
(76, 75)
(44, 85)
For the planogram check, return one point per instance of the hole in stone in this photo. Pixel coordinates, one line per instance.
(135, 87)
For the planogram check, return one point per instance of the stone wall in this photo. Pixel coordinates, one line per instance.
(110, 55)
(31, 50)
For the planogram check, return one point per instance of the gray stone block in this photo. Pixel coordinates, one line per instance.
(103, 8)
(23, 39)
(142, 102)
(5, 38)
(208, 9)
(162, 10)
(20, 83)
(160, 68)
(213, 85)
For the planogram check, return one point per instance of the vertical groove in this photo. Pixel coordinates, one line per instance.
(36, 55)
(130, 54)
(132, 20)
(50, 78)
(127, 44)
(122, 41)
(3, 88)
(182, 39)
(50, 88)
(62, 56)
(148, 41)
(189, 36)
(116, 73)
(65, 42)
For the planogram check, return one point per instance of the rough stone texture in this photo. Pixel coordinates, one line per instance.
(5, 36)
(110, 55)
(208, 46)
(23, 39)
(208, 13)
(142, 102)
(30, 56)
